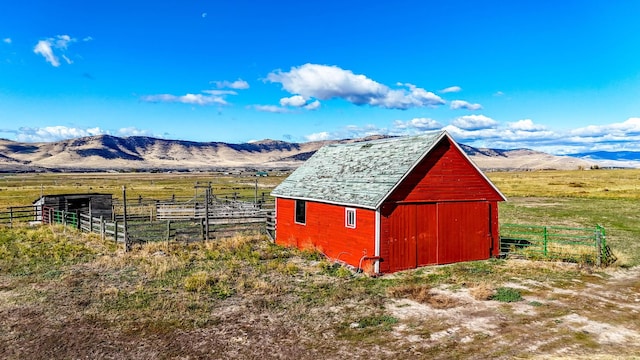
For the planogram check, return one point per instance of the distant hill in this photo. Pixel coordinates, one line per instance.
(105, 152)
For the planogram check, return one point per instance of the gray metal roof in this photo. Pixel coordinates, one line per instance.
(359, 174)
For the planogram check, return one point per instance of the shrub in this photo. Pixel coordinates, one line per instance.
(507, 294)
(197, 282)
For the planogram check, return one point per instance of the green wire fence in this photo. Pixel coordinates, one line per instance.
(581, 245)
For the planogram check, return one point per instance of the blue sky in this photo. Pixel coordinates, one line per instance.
(556, 76)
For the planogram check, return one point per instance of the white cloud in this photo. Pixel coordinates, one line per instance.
(271, 109)
(67, 59)
(220, 92)
(204, 15)
(213, 97)
(320, 136)
(474, 122)
(295, 101)
(498, 93)
(328, 82)
(525, 125)
(55, 133)
(628, 127)
(133, 131)
(88, 38)
(313, 105)
(43, 47)
(60, 43)
(451, 89)
(420, 124)
(238, 84)
(350, 132)
(461, 104)
(6, 40)
(513, 135)
(298, 101)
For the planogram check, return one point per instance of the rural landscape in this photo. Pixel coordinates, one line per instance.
(68, 294)
(319, 180)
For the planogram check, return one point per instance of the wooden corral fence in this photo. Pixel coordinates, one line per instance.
(227, 209)
(84, 222)
(16, 214)
(147, 220)
(106, 228)
(270, 227)
(581, 245)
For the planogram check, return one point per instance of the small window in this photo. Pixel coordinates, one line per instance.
(350, 218)
(301, 212)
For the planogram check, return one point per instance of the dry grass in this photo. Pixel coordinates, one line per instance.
(482, 291)
(243, 297)
(602, 184)
(68, 295)
(424, 294)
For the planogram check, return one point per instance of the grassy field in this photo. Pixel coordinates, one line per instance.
(610, 198)
(23, 189)
(65, 294)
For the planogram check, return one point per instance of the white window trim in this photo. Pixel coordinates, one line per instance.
(346, 218)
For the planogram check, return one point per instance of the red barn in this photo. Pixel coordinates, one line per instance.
(391, 204)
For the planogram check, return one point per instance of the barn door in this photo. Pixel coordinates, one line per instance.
(412, 236)
(464, 231)
(427, 234)
(402, 239)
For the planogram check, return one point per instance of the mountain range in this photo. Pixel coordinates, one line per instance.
(139, 153)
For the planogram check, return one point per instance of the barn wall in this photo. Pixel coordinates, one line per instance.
(418, 234)
(101, 204)
(463, 232)
(495, 230)
(444, 175)
(325, 230)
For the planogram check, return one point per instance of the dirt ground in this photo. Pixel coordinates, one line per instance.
(596, 316)
(600, 317)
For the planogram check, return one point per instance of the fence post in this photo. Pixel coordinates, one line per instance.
(90, 218)
(127, 246)
(168, 231)
(545, 241)
(10, 217)
(599, 245)
(102, 229)
(206, 216)
(115, 231)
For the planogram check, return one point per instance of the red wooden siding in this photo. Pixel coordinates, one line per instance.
(444, 175)
(463, 232)
(413, 235)
(495, 232)
(421, 234)
(325, 230)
